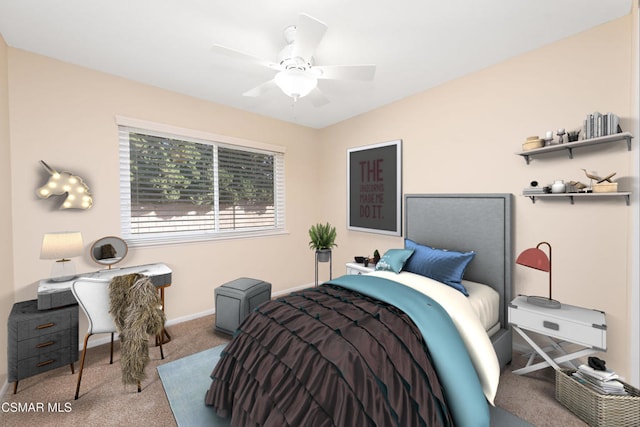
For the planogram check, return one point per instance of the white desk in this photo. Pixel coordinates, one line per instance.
(58, 294)
(569, 324)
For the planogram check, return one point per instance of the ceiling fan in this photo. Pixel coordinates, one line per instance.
(297, 74)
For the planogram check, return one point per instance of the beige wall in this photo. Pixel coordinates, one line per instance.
(462, 136)
(64, 115)
(459, 137)
(6, 251)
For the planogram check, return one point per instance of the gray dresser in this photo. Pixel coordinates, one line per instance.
(40, 340)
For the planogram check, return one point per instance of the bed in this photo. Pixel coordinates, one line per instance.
(386, 348)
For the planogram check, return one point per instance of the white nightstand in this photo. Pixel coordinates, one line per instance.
(356, 268)
(568, 324)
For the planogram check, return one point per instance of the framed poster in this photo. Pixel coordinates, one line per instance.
(374, 188)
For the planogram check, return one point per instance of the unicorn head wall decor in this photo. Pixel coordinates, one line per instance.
(78, 195)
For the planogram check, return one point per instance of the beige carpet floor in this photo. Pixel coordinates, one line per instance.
(47, 399)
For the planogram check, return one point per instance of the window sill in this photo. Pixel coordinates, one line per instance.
(139, 242)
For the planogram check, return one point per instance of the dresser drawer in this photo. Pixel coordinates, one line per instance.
(569, 323)
(42, 363)
(45, 343)
(47, 323)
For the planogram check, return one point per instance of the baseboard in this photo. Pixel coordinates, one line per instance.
(4, 388)
(106, 338)
(288, 291)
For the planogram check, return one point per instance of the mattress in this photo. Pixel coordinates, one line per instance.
(485, 302)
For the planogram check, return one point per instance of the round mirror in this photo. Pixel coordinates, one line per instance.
(109, 250)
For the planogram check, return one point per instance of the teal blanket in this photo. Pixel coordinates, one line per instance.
(450, 358)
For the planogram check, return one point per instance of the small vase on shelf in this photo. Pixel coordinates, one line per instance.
(558, 187)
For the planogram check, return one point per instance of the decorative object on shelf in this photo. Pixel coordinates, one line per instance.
(78, 194)
(602, 185)
(548, 139)
(558, 187)
(534, 188)
(576, 187)
(536, 258)
(605, 187)
(560, 134)
(323, 239)
(533, 142)
(62, 246)
(572, 136)
(596, 178)
(108, 250)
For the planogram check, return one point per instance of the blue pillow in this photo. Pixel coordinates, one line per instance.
(439, 264)
(393, 260)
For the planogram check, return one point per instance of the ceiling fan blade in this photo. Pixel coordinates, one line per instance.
(309, 32)
(261, 89)
(237, 54)
(317, 98)
(346, 72)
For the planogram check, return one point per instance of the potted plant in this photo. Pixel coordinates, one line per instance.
(323, 238)
(376, 256)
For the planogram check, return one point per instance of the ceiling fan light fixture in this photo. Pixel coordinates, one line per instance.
(295, 83)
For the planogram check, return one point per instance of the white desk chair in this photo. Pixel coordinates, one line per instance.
(93, 297)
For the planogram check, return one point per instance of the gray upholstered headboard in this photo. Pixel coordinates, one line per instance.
(470, 222)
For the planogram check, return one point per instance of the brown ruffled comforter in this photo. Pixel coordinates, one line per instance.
(327, 356)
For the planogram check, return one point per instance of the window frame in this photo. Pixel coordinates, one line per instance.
(128, 125)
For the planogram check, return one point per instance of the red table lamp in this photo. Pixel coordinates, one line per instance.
(536, 258)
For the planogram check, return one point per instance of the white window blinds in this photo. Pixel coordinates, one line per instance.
(177, 188)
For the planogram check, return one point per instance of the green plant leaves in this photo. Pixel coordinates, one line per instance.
(323, 236)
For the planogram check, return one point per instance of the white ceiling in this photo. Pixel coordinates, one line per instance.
(415, 44)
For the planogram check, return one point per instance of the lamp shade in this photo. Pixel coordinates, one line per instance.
(61, 245)
(534, 258)
(295, 83)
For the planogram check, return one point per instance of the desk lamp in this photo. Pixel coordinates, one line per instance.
(537, 259)
(62, 246)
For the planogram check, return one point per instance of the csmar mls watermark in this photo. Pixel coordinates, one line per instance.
(20, 407)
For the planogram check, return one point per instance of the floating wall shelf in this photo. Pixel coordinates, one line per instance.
(571, 196)
(570, 146)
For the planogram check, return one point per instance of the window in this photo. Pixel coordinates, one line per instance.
(183, 188)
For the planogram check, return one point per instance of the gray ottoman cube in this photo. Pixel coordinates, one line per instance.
(236, 299)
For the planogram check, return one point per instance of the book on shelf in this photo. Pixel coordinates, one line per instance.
(597, 124)
(535, 190)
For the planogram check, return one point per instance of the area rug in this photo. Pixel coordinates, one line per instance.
(186, 381)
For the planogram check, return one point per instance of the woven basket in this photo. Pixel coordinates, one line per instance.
(596, 409)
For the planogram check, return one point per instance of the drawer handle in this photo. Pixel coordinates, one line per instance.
(45, 326)
(551, 325)
(45, 344)
(46, 362)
